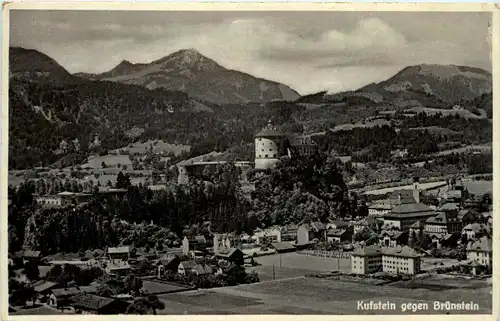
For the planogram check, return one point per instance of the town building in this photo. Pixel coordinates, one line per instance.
(481, 251)
(310, 231)
(232, 255)
(168, 263)
(289, 233)
(224, 241)
(337, 224)
(470, 216)
(405, 215)
(119, 253)
(185, 267)
(442, 224)
(201, 269)
(448, 240)
(271, 144)
(378, 208)
(340, 235)
(29, 255)
(94, 304)
(118, 268)
(393, 238)
(475, 231)
(193, 244)
(366, 260)
(401, 260)
(416, 228)
(268, 235)
(62, 199)
(394, 260)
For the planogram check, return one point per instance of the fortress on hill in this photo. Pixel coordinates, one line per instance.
(271, 144)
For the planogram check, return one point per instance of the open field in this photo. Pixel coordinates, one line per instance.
(303, 295)
(479, 187)
(305, 262)
(423, 186)
(465, 149)
(109, 160)
(376, 122)
(159, 146)
(445, 112)
(432, 263)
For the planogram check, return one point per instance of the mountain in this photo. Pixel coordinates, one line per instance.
(200, 77)
(123, 68)
(448, 83)
(34, 66)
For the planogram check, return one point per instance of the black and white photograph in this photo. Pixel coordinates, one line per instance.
(249, 162)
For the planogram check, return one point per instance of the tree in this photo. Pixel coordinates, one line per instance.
(122, 181)
(103, 165)
(139, 306)
(155, 303)
(133, 284)
(426, 242)
(21, 292)
(32, 271)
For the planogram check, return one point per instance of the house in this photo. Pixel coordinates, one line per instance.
(118, 268)
(310, 231)
(201, 269)
(232, 255)
(224, 241)
(448, 240)
(289, 233)
(169, 263)
(60, 297)
(28, 255)
(378, 208)
(417, 228)
(400, 260)
(393, 238)
(269, 235)
(283, 247)
(340, 235)
(193, 244)
(450, 208)
(481, 251)
(44, 289)
(337, 224)
(405, 215)
(93, 304)
(186, 267)
(443, 223)
(469, 216)
(366, 260)
(475, 231)
(119, 253)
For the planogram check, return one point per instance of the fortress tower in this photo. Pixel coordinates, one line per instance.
(270, 145)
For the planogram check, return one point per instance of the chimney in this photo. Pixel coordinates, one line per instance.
(216, 243)
(416, 193)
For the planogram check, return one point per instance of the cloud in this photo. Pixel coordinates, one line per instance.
(310, 52)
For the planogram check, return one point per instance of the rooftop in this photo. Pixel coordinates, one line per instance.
(90, 301)
(119, 250)
(400, 251)
(411, 210)
(270, 131)
(372, 250)
(484, 244)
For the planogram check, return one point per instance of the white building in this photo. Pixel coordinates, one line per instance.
(481, 251)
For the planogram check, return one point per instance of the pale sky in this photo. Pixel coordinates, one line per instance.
(309, 51)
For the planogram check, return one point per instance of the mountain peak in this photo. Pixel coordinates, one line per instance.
(125, 63)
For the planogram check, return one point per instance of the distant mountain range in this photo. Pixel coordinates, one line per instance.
(190, 99)
(198, 76)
